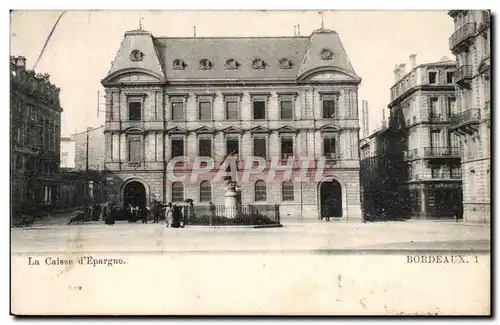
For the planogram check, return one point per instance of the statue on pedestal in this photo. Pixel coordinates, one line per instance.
(232, 191)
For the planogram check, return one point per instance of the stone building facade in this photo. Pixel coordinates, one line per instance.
(94, 139)
(470, 43)
(426, 152)
(271, 97)
(67, 153)
(35, 129)
(379, 178)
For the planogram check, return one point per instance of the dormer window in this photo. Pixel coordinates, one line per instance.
(205, 64)
(285, 63)
(232, 64)
(178, 64)
(258, 64)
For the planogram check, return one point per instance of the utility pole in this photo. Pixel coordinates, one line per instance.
(87, 150)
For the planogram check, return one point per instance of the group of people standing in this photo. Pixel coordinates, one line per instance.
(174, 215)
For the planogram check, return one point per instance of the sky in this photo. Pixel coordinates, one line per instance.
(84, 43)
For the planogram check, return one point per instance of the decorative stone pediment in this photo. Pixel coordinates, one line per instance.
(330, 76)
(204, 130)
(286, 129)
(177, 130)
(133, 76)
(259, 129)
(134, 130)
(232, 130)
(329, 128)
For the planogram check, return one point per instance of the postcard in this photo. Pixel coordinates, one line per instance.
(311, 162)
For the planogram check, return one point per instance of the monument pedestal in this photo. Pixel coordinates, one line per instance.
(231, 201)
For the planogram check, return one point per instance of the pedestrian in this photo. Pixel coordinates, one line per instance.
(156, 210)
(190, 214)
(211, 216)
(144, 212)
(169, 213)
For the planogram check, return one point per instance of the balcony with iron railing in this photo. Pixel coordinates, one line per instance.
(467, 121)
(442, 152)
(485, 21)
(463, 36)
(410, 154)
(463, 75)
(487, 112)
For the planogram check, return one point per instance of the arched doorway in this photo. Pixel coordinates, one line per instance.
(135, 194)
(330, 195)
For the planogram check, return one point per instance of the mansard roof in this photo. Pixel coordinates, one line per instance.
(231, 58)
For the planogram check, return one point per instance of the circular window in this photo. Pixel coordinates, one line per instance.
(326, 54)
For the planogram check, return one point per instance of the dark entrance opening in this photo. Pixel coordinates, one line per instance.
(331, 199)
(135, 194)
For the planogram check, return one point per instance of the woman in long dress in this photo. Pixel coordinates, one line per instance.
(169, 214)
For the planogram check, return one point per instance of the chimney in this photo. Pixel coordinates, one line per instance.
(20, 62)
(384, 123)
(396, 74)
(402, 70)
(413, 61)
(194, 31)
(298, 30)
(294, 30)
(364, 105)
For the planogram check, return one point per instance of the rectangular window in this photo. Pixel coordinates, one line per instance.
(64, 159)
(435, 171)
(434, 112)
(177, 111)
(454, 140)
(286, 109)
(134, 111)
(205, 111)
(205, 147)
(135, 150)
(328, 108)
(232, 146)
(177, 148)
(330, 147)
(451, 107)
(449, 77)
(436, 139)
(455, 172)
(259, 109)
(432, 78)
(410, 172)
(260, 147)
(286, 147)
(232, 110)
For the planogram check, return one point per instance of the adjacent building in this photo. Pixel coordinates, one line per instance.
(271, 97)
(89, 149)
(35, 129)
(68, 150)
(379, 188)
(82, 165)
(470, 43)
(426, 154)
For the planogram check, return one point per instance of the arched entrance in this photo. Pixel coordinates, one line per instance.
(135, 194)
(330, 196)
